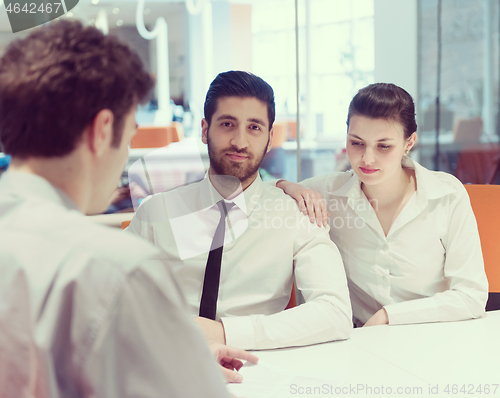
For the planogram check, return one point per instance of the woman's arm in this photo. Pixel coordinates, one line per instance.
(310, 202)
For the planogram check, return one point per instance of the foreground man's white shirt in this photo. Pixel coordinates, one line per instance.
(268, 242)
(429, 268)
(87, 311)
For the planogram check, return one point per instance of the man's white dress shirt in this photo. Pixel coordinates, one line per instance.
(86, 311)
(429, 267)
(268, 242)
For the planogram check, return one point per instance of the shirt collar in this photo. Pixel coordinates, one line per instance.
(428, 185)
(33, 185)
(350, 188)
(245, 201)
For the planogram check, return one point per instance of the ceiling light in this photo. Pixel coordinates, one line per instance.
(147, 11)
(95, 1)
(116, 10)
(119, 22)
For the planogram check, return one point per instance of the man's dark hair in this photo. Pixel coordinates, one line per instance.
(385, 101)
(55, 81)
(239, 84)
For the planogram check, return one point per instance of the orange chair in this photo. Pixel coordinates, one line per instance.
(475, 165)
(125, 224)
(175, 132)
(485, 201)
(157, 137)
(279, 135)
(292, 129)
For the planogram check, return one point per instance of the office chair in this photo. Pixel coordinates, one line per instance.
(125, 224)
(157, 137)
(485, 201)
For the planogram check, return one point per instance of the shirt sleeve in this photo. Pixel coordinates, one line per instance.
(315, 183)
(272, 183)
(463, 268)
(318, 184)
(326, 315)
(150, 347)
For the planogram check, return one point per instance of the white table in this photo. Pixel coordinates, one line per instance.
(408, 359)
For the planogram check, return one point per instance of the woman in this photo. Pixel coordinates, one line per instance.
(407, 235)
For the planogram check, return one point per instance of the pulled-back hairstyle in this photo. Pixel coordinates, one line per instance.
(239, 84)
(55, 81)
(385, 101)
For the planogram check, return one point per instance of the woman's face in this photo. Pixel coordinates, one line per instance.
(375, 148)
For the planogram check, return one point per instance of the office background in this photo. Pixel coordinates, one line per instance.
(316, 54)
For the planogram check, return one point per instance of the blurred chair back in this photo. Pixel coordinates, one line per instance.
(485, 201)
(292, 130)
(279, 135)
(157, 137)
(475, 165)
(175, 132)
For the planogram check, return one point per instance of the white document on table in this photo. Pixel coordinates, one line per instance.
(268, 381)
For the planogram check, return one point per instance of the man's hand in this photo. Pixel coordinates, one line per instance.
(229, 360)
(379, 318)
(310, 202)
(213, 330)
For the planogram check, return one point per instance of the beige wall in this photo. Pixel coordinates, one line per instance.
(241, 36)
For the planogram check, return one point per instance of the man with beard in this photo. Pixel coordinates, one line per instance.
(236, 245)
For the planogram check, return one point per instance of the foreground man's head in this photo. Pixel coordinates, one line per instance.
(68, 96)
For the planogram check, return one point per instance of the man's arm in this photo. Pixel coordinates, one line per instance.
(212, 330)
(326, 315)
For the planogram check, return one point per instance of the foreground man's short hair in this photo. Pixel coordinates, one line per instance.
(55, 81)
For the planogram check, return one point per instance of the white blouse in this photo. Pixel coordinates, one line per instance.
(429, 268)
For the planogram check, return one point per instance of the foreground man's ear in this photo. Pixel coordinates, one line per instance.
(99, 133)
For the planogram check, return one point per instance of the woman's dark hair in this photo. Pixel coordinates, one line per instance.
(55, 81)
(385, 101)
(239, 84)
